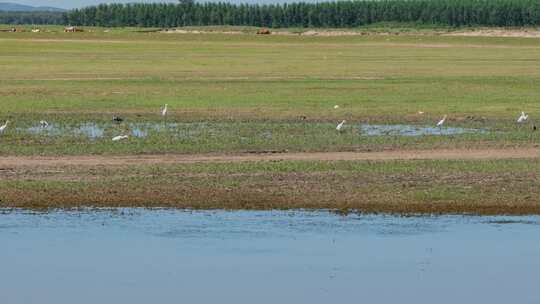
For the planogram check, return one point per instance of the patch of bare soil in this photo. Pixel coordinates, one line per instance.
(275, 32)
(329, 33)
(182, 31)
(521, 33)
(439, 154)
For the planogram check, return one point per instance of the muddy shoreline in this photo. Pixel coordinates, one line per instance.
(480, 184)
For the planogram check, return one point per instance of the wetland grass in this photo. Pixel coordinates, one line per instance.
(244, 93)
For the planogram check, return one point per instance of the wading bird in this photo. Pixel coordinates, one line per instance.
(336, 107)
(4, 126)
(117, 119)
(340, 126)
(120, 137)
(164, 111)
(523, 118)
(441, 122)
(43, 124)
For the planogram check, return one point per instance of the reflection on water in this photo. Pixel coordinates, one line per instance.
(411, 130)
(171, 256)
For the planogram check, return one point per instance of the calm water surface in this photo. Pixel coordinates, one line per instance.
(172, 256)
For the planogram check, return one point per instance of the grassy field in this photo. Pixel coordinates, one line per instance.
(231, 93)
(285, 86)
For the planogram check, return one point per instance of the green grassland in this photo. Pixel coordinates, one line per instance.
(231, 93)
(246, 86)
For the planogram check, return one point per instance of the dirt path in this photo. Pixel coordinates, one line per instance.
(522, 33)
(97, 160)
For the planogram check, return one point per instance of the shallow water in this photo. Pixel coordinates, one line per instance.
(95, 131)
(89, 130)
(412, 130)
(172, 256)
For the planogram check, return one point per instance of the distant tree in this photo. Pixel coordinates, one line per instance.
(187, 2)
(321, 14)
(16, 18)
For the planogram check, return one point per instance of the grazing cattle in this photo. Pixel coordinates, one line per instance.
(72, 29)
(264, 32)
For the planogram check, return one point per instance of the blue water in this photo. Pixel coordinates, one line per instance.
(174, 256)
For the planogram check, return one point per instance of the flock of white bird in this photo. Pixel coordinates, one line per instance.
(523, 118)
(44, 124)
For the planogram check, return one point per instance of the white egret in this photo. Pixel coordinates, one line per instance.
(44, 124)
(336, 107)
(420, 113)
(120, 137)
(164, 111)
(441, 122)
(523, 118)
(340, 126)
(4, 126)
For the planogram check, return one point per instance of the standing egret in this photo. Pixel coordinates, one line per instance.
(336, 107)
(120, 137)
(44, 124)
(523, 118)
(340, 126)
(441, 122)
(164, 110)
(4, 126)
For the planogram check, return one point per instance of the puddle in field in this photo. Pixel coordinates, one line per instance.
(51, 130)
(412, 130)
(90, 130)
(140, 255)
(191, 130)
(141, 130)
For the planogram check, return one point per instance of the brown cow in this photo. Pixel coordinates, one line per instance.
(264, 32)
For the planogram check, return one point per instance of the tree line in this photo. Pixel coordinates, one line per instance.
(322, 14)
(32, 18)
